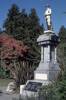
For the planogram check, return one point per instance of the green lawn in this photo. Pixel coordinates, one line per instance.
(4, 82)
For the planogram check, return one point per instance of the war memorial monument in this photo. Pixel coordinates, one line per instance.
(48, 69)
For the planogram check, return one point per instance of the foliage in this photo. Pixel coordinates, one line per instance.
(55, 91)
(11, 48)
(13, 58)
(26, 28)
(22, 25)
(62, 34)
(11, 20)
(2, 73)
(62, 49)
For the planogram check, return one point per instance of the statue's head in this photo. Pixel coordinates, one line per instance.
(48, 11)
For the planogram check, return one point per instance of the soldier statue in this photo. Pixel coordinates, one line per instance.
(48, 13)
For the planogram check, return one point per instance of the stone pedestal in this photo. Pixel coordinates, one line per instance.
(48, 68)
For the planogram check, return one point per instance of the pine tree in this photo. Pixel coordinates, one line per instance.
(11, 22)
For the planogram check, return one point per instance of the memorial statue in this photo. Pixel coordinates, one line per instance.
(48, 13)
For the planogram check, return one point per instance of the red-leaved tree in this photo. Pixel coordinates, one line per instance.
(14, 56)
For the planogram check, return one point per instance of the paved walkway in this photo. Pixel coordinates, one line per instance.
(8, 97)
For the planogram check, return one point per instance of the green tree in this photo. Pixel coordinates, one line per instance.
(35, 29)
(11, 22)
(62, 49)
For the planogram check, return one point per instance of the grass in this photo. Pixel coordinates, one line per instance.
(4, 82)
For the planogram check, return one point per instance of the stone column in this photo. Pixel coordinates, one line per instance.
(55, 54)
(42, 54)
(47, 54)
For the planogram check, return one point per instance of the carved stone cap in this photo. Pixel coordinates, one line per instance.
(49, 31)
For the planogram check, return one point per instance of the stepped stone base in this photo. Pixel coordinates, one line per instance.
(47, 71)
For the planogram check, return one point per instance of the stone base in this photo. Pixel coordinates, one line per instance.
(47, 71)
(32, 87)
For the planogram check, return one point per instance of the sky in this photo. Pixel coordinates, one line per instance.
(58, 8)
